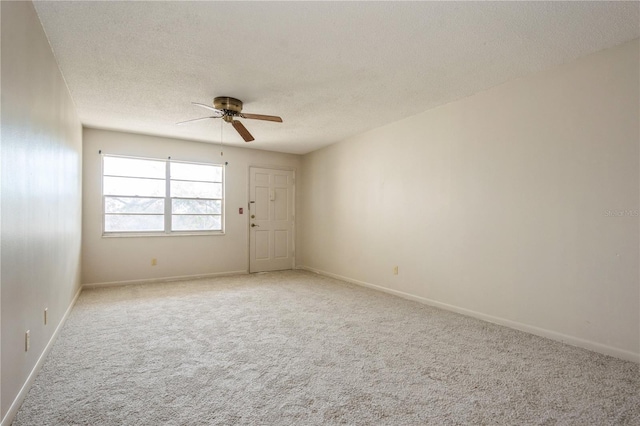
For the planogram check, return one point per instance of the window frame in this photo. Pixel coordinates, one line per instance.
(167, 214)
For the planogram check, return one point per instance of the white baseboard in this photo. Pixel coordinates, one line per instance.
(553, 335)
(164, 279)
(17, 402)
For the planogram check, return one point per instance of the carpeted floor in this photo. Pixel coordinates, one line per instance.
(294, 348)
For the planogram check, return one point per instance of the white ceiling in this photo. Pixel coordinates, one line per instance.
(329, 69)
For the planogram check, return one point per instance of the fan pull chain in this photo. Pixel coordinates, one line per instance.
(221, 143)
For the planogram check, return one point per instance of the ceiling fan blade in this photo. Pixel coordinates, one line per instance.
(221, 113)
(261, 117)
(242, 130)
(196, 119)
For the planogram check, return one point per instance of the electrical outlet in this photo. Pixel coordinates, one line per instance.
(45, 315)
(27, 340)
(154, 261)
(395, 270)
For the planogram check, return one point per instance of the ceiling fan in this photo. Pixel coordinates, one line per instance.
(229, 109)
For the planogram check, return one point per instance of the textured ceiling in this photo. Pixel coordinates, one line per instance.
(329, 69)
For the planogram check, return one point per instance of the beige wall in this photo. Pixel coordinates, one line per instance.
(113, 259)
(41, 198)
(518, 205)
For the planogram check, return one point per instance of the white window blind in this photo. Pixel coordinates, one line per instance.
(143, 196)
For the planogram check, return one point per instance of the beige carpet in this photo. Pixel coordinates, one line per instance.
(294, 348)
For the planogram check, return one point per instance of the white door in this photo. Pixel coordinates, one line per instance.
(271, 219)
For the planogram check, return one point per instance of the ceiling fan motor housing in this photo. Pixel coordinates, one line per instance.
(226, 103)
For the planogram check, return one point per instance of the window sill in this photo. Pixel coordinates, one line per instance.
(162, 234)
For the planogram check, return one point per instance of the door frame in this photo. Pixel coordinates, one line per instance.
(248, 219)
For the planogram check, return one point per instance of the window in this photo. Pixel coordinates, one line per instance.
(149, 196)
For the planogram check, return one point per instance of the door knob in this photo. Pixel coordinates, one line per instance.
(254, 225)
